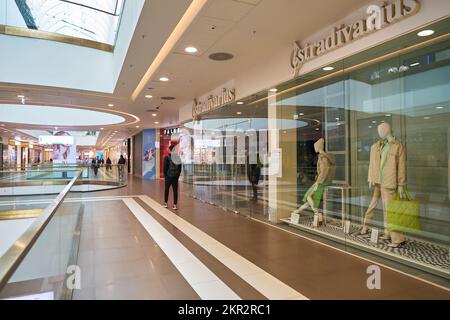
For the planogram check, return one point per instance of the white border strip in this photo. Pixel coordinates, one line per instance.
(207, 285)
(263, 282)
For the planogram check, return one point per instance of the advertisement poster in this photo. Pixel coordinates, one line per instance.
(64, 151)
(149, 154)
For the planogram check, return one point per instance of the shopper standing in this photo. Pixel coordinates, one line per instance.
(121, 166)
(108, 164)
(172, 171)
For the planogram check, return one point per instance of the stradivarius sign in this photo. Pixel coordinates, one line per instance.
(378, 17)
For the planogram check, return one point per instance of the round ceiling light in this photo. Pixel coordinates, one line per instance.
(328, 69)
(149, 96)
(156, 122)
(221, 56)
(239, 102)
(273, 90)
(191, 49)
(110, 105)
(425, 33)
(154, 114)
(239, 113)
(164, 79)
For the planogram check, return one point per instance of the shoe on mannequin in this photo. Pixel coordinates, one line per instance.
(396, 245)
(386, 236)
(364, 231)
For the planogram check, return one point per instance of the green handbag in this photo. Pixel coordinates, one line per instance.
(403, 215)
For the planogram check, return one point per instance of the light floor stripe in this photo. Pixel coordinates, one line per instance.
(207, 285)
(263, 282)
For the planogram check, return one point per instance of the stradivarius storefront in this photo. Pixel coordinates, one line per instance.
(355, 147)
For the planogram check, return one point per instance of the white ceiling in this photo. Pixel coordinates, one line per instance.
(252, 30)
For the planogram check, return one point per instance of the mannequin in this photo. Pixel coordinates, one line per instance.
(387, 176)
(326, 168)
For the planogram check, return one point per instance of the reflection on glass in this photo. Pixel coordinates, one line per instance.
(96, 20)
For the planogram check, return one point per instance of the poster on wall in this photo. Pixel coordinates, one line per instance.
(149, 154)
(66, 150)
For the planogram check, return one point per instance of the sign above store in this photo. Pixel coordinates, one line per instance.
(213, 102)
(379, 17)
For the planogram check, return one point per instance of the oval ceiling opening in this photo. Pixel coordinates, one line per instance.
(56, 116)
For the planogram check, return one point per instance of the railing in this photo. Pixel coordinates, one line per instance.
(50, 179)
(42, 254)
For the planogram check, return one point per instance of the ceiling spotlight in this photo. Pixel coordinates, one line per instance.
(154, 114)
(137, 126)
(149, 96)
(116, 131)
(388, 115)
(238, 112)
(328, 68)
(301, 114)
(191, 49)
(414, 64)
(239, 102)
(20, 96)
(273, 90)
(425, 33)
(317, 129)
(427, 118)
(440, 107)
(164, 79)
(156, 122)
(110, 105)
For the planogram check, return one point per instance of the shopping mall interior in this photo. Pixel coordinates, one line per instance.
(224, 150)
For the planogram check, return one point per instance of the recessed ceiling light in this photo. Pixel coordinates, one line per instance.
(239, 102)
(21, 96)
(370, 127)
(156, 122)
(102, 128)
(425, 33)
(137, 126)
(164, 79)
(328, 69)
(110, 105)
(273, 90)
(149, 96)
(154, 114)
(337, 118)
(238, 112)
(191, 49)
(414, 64)
(427, 118)
(116, 131)
(317, 129)
(301, 114)
(436, 108)
(388, 115)
(373, 121)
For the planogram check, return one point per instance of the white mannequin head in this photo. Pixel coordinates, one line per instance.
(319, 145)
(384, 130)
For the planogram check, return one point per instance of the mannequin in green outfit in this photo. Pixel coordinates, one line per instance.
(326, 168)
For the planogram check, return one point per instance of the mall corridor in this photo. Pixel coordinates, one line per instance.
(131, 247)
(273, 153)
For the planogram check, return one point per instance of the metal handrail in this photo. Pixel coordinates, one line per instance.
(12, 258)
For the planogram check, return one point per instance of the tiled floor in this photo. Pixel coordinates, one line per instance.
(136, 249)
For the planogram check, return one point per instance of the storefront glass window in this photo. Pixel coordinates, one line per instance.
(383, 120)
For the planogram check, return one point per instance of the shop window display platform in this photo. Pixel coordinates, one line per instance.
(433, 257)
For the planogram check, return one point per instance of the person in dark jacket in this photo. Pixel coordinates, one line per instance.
(254, 174)
(172, 171)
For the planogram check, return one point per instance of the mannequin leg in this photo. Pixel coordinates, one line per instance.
(371, 210)
(396, 237)
(316, 212)
(302, 208)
